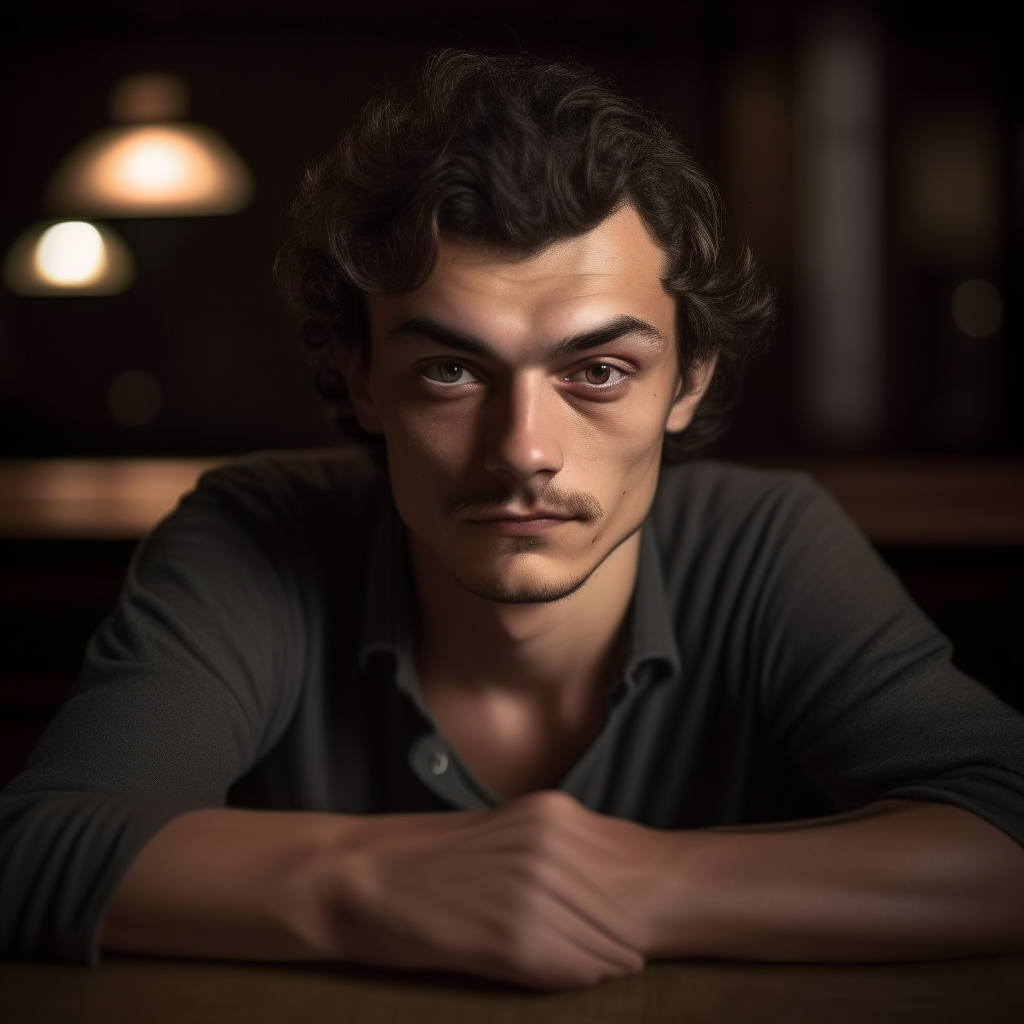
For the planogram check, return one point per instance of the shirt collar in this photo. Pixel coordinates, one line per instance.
(652, 635)
(389, 615)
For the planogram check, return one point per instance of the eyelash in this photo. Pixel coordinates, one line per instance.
(448, 366)
(607, 385)
(623, 375)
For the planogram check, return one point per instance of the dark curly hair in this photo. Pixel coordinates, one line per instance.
(514, 153)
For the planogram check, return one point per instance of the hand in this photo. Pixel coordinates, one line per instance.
(540, 892)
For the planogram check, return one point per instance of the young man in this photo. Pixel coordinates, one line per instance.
(525, 703)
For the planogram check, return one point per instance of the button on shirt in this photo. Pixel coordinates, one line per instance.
(262, 654)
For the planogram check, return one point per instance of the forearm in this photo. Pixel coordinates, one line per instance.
(902, 881)
(453, 891)
(239, 884)
(546, 892)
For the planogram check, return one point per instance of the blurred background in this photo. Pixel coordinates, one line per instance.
(872, 154)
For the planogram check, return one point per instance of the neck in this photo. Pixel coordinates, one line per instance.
(519, 689)
(529, 649)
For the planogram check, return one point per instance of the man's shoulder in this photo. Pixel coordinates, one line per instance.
(309, 470)
(286, 488)
(726, 529)
(708, 507)
(724, 490)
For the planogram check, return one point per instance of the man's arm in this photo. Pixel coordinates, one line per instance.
(544, 892)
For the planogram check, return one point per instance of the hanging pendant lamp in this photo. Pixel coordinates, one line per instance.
(70, 257)
(151, 164)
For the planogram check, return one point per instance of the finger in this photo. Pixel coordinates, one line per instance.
(571, 858)
(557, 949)
(507, 932)
(596, 903)
(555, 896)
(606, 949)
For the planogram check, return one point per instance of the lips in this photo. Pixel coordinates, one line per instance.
(521, 517)
(519, 523)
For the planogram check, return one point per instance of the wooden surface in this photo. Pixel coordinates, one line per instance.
(164, 991)
(91, 498)
(938, 503)
(966, 502)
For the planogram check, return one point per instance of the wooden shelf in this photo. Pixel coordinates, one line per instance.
(979, 502)
(941, 503)
(91, 498)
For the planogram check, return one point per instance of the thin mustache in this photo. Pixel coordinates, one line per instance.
(572, 504)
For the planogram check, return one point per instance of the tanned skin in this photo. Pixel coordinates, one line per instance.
(524, 403)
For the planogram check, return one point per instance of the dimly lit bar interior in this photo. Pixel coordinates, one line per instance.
(872, 155)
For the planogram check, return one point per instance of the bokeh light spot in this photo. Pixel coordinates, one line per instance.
(71, 253)
(154, 166)
(134, 398)
(151, 170)
(164, 165)
(977, 308)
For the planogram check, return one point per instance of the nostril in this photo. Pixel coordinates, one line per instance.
(523, 461)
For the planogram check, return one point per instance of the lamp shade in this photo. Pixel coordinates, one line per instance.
(70, 257)
(151, 170)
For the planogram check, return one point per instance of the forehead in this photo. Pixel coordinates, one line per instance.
(573, 285)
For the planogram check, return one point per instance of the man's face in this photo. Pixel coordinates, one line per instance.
(524, 403)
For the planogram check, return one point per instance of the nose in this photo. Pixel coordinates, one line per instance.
(523, 441)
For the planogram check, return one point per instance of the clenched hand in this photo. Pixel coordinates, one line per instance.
(540, 891)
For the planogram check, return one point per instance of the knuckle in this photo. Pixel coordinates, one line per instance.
(550, 804)
(553, 803)
(544, 818)
(539, 845)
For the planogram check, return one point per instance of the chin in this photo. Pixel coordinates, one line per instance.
(521, 587)
(528, 570)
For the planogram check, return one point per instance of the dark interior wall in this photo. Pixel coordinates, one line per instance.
(279, 80)
(204, 315)
(954, 77)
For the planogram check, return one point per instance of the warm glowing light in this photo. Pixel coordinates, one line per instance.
(154, 167)
(977, 308)
(152, 171)
(71, 257)
(71, 253)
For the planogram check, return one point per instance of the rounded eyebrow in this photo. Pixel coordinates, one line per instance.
(617, 327)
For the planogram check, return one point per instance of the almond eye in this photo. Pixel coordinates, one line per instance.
(598, 375)
(445, 373)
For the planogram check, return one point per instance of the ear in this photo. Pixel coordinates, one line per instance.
(688, 398)
(355, 369)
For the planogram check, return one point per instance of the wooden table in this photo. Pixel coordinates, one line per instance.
(163, 991)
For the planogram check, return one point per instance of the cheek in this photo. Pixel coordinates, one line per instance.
(430, 440)
(619, 447)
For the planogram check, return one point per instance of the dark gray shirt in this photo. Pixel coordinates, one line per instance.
(262, 655)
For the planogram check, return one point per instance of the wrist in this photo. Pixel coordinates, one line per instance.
(311, 882)
(677, 920)
(343, 892)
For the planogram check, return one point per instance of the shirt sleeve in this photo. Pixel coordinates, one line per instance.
(192, 679)
(858, 685)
